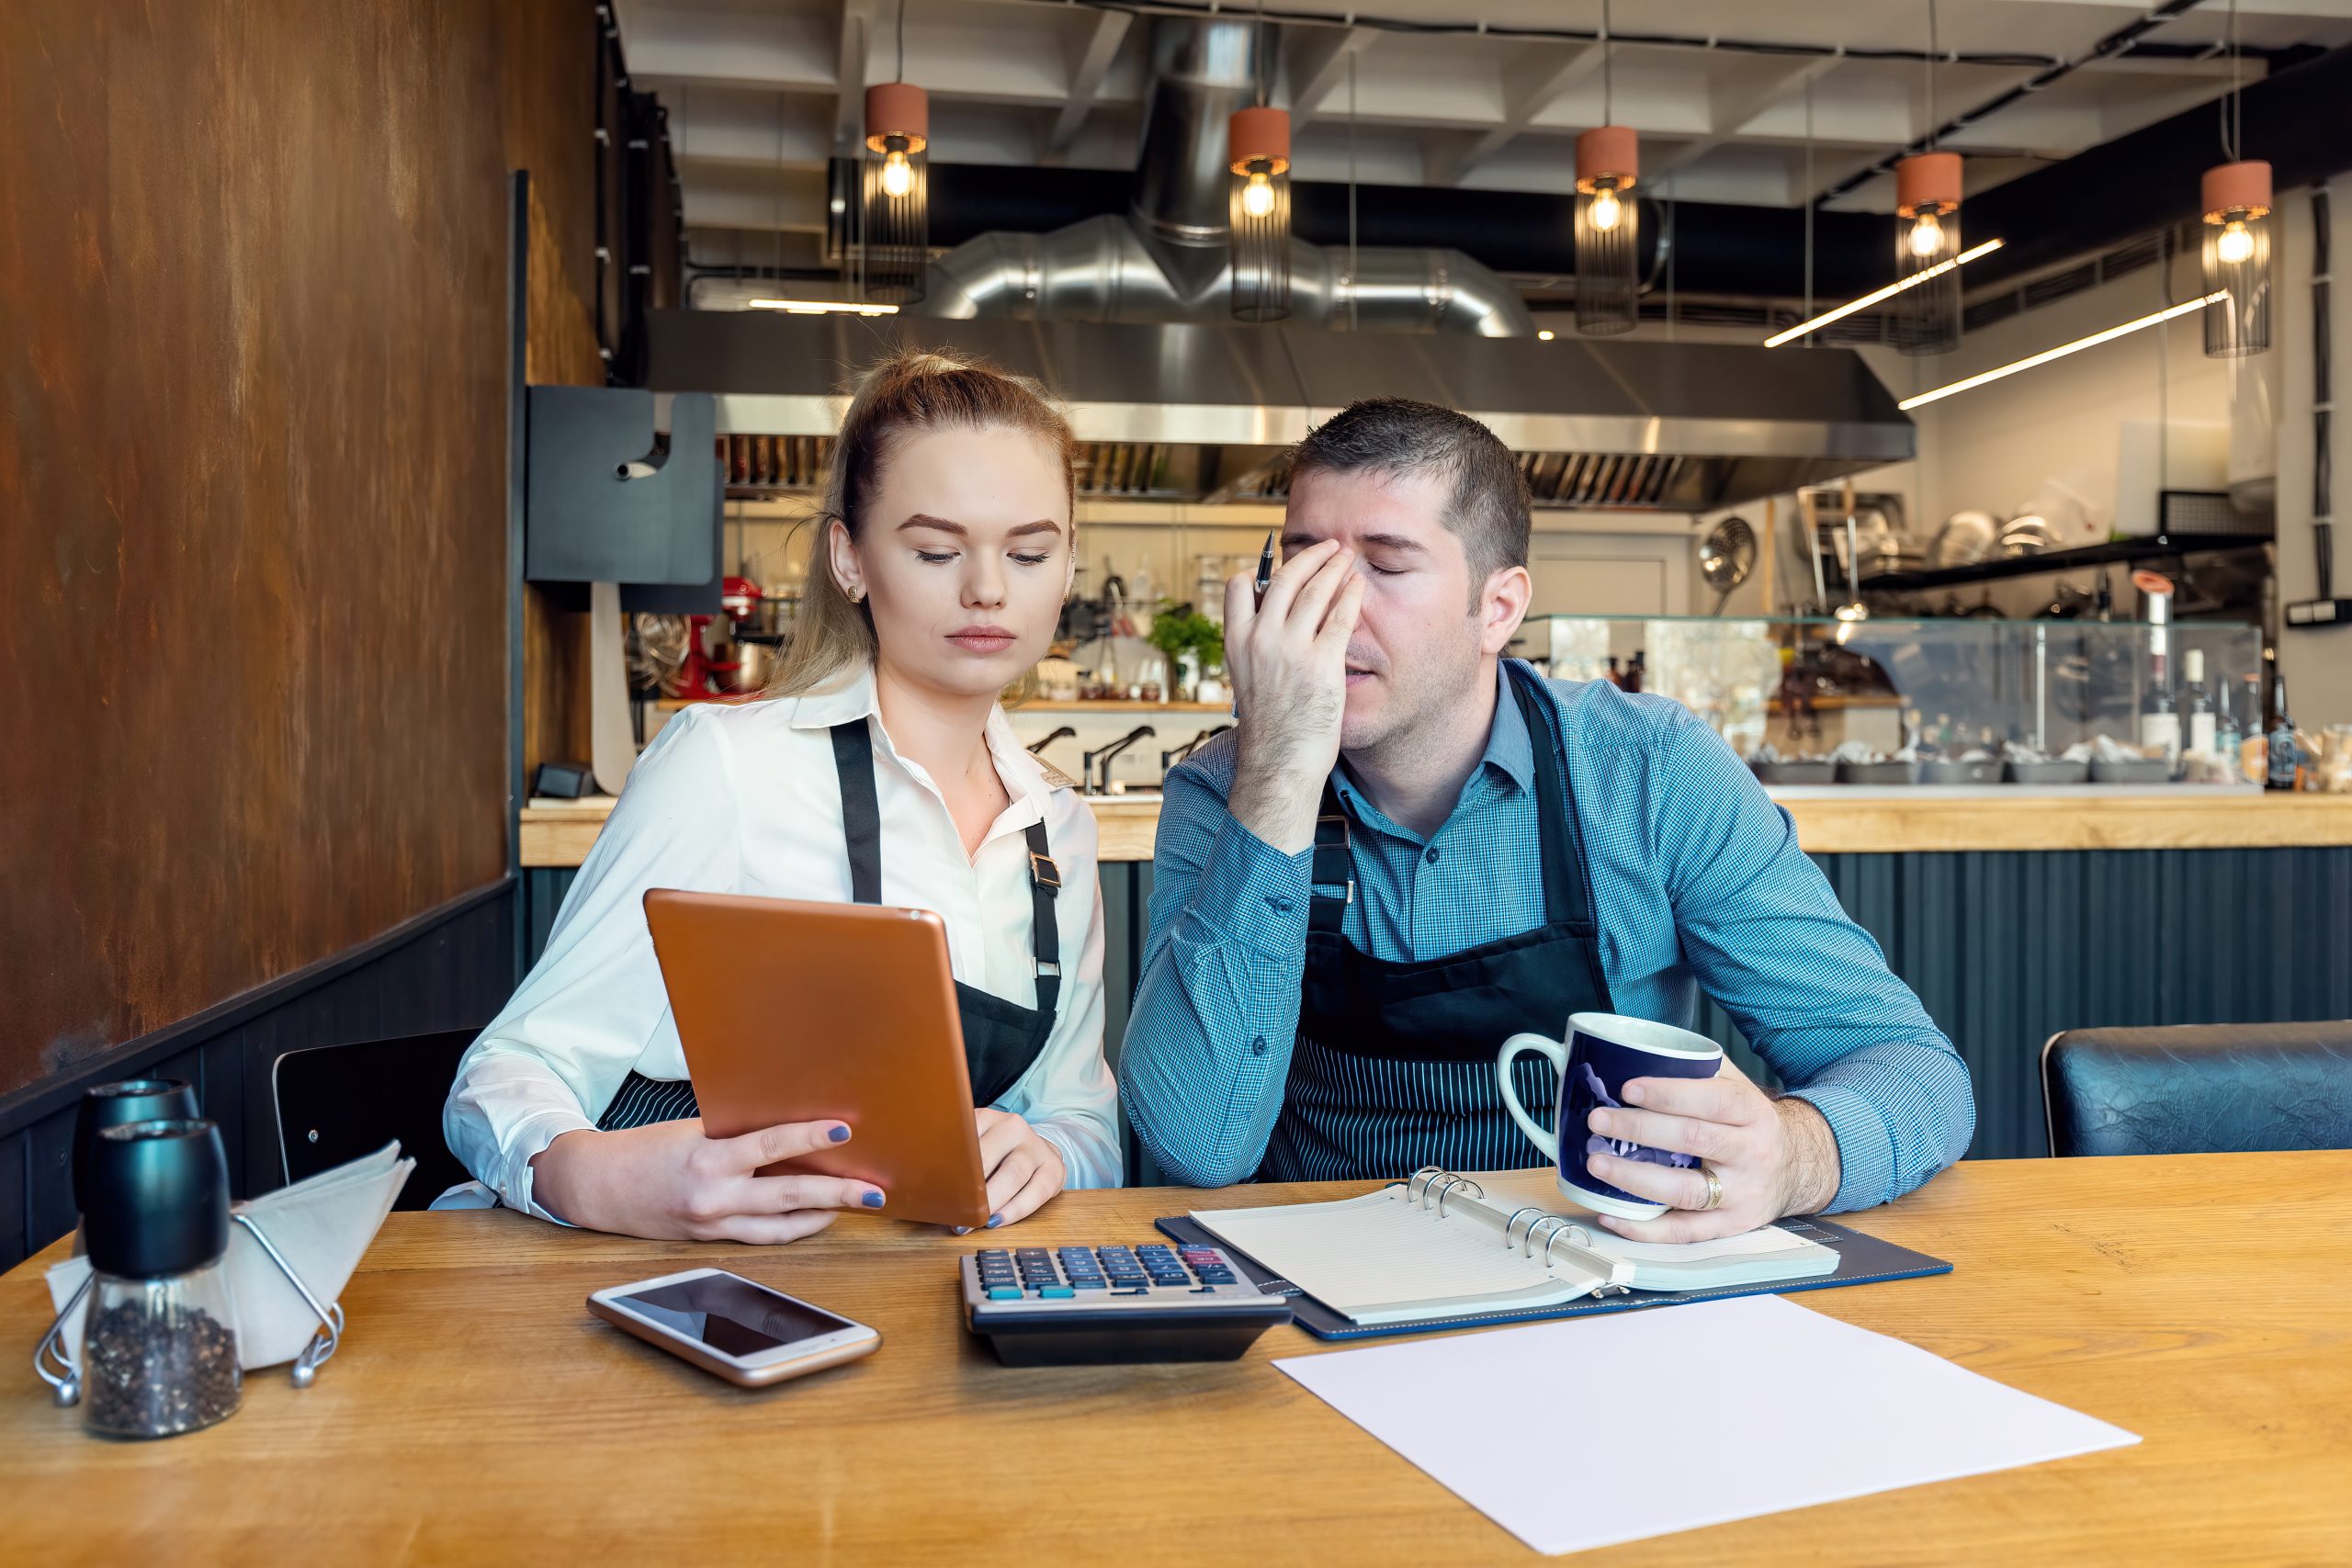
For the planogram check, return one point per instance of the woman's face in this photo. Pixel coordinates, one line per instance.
(964, 558)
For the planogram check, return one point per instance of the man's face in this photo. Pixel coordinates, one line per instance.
(1418, 645)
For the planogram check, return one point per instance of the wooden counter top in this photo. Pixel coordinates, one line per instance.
(1830, 819)
(477, 1414)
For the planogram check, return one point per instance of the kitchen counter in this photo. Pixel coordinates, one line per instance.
(1830, 819)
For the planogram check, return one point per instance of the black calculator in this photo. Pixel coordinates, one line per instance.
(1065, 1305)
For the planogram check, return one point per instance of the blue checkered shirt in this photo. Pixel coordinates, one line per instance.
(1697, 884)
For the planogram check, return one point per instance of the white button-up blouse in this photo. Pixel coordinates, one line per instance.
(744, 798)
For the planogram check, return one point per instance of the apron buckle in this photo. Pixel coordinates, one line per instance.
(1044, 872)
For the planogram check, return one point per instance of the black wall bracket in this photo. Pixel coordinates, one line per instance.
(608, 500)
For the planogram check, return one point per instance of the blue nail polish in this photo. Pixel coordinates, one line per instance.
(874, 1200)
(995, 1220)
(963, 1230)
(839, 1134)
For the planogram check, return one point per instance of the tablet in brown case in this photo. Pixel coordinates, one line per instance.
(793, 1011)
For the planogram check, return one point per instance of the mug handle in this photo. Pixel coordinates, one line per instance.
(1558, 1054)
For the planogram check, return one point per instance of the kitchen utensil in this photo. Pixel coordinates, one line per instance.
(1965, 539)
(1726, 557)
(1807, 504)
(2028, 535)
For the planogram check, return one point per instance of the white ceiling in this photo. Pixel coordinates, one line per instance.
(761, 91)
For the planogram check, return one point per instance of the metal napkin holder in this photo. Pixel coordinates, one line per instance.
(58, 1370)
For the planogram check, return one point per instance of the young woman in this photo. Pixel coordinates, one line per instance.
(935, 579)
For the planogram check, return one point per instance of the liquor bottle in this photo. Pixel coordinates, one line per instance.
(2251, 743)
(2226, 737)
(2160, 723)
(2278, 768)
(2201, 728)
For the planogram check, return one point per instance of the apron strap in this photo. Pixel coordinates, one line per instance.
(862, 827)
(1045, 931)
(1331, 877)
(860, 809)
(1568, 895)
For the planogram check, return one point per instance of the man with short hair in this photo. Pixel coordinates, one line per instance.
(1411, 847)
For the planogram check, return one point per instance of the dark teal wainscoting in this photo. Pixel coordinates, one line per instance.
(2005, 948)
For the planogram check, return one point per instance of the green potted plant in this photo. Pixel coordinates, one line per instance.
(1194, 644)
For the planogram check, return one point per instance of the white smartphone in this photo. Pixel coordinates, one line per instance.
(732, 1327)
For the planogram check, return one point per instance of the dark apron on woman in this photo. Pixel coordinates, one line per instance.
(1394, 1068)
(1001, 1039)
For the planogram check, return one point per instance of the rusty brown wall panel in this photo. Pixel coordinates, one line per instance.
(251, 486)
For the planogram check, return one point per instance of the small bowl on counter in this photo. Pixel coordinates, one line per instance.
(2049, 772)
(1878, 772)
(2139, 770)
(1794, 773)
(1954, 770)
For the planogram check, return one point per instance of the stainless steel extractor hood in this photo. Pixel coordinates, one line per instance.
(1204, 411)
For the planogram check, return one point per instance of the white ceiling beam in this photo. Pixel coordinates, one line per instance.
(1530, 86)
(1314, 60)
(1089, 64)
(1735, 108)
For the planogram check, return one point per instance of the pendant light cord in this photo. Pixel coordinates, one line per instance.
(902, 40)
(1607, 68)
(1261, 67)
(2234, 106)
(1808, 205)
(1931, 76)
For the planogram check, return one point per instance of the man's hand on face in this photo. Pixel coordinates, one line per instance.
(1773, 1156)
(1288, 659)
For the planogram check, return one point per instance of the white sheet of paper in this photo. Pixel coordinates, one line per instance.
(1581, 1433)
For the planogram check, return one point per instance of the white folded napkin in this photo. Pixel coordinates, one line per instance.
(321, 1225)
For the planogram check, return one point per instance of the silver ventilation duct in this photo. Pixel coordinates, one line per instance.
(1204, 412)
(1168, 260)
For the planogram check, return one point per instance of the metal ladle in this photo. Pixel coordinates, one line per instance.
(1726, 557)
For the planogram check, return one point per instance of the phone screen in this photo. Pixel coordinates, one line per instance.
(732, 1314)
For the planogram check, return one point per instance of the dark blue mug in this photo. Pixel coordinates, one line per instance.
(1604, 1049)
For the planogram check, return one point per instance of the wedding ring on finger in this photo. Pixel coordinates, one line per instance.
(1714, 1190)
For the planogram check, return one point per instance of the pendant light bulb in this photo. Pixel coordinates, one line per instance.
(1926, 235)
(1258, 195)
(2234, 244)
(898, 174)
(1606, 209)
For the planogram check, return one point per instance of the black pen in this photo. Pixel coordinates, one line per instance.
(1265, 572)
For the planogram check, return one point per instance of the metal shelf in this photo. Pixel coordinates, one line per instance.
(2113, 552)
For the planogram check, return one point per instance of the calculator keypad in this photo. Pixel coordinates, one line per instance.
(1099, 1273)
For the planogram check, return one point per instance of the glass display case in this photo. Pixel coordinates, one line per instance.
(1944, 701)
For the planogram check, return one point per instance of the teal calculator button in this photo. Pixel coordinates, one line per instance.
(1056, 1293)
(1004, 1293)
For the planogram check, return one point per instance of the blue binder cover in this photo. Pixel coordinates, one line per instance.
(1861, 1260)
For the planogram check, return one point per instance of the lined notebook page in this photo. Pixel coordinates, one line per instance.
(1379, 1259)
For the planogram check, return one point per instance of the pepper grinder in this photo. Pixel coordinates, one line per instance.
(159, 1351)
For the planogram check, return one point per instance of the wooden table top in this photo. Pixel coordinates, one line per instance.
(477, 1413)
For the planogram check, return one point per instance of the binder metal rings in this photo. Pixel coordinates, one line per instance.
(1584, 1238)
(1558, 1223)
(1416, 1185)
(1512, 1224)
(1447, 1190)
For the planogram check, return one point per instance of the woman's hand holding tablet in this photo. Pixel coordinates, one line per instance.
(669, 1182)
(1024, 1168)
